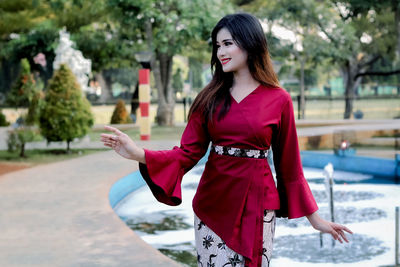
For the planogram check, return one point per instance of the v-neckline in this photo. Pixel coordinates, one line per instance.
(245, 96)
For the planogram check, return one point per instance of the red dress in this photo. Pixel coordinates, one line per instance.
(234, 192)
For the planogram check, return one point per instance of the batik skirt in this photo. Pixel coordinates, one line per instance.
(212, 250)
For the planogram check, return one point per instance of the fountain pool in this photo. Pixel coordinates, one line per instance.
(364, 204)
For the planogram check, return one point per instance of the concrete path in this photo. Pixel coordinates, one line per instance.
(59, 215)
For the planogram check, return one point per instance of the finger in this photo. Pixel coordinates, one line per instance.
(335, 235)
(347, 230)
(108, 144)
(342, 228)
(108, 137)
(113, 129)
(343, 235)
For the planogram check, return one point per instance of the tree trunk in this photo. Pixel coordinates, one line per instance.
(105, 85)
(397, 23)
(162, 69)
(302, 90)
(68, 147)
(22, 151)
(349, 71)
(161, 65)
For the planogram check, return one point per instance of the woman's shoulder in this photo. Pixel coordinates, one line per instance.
(276, 92)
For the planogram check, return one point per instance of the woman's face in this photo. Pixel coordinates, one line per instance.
(231, 56)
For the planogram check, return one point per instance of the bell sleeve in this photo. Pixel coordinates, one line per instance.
(164, 169)
(296, 199)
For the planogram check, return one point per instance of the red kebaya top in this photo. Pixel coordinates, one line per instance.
(233, 192)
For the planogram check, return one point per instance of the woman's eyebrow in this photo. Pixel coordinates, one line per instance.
(225, 40)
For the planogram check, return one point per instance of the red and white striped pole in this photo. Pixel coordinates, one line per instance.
(144, 104)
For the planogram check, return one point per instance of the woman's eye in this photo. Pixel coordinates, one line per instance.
(228, 43)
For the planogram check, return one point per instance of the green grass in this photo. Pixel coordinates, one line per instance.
(157, 133)
(41, 156)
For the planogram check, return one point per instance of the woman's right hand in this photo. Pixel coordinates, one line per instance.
(122, 144)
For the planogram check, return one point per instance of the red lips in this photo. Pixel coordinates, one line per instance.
(225, 60)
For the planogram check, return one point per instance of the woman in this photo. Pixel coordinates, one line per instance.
(243, 112)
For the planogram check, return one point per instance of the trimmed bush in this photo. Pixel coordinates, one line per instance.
(24, 87)
(18, 137)
(66, 113)
(120, 114)
(3, 121)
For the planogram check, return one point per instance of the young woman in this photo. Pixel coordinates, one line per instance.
(242, 112)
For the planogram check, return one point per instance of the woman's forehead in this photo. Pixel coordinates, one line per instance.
(223, 35)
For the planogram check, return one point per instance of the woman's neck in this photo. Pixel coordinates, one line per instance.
(243, 79)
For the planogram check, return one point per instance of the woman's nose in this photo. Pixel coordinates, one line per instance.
(220, 52)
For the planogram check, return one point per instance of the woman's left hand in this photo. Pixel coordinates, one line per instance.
(336, 230)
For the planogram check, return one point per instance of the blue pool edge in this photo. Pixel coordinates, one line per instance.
(388, 168)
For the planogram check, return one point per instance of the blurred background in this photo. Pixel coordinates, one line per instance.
(338, 59)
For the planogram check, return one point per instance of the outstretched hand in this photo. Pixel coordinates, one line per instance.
(122, 144)
(336, 230)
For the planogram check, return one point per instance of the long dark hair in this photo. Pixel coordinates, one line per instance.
(248, 34)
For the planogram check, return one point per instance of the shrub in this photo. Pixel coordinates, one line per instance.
(120, 114)
(18, 137)
(24, 87)
(3, 121)
(66, 113)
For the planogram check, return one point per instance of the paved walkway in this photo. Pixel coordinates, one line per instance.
(59, 215)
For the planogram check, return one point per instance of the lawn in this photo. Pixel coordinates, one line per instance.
(157, 132)
(12, 162)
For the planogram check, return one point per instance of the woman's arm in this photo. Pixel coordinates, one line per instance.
(123, 145)
(336, 230)
(163, 170)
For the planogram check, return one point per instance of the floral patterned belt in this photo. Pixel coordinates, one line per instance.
(239, 152)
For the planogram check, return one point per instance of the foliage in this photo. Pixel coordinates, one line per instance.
(66, 113)
(18, 137)
(24, 88)
(173, 22)
(351, 34)
(19, 16)
(167, 28)
(103, 45)
(177, 82)
(77, 13)
(3, 120)
(120, 114)
(196, 74)
(25, 93)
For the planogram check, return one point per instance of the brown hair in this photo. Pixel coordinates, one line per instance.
(247, 32)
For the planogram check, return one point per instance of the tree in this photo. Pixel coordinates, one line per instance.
(165, 28)
(290, 15)
(120, 114)
(19, 16)
(177, 83)
(111, 57)
(24, 87)
(367, 45)
(18, 19)
(3, 120)
(25, 93)
(66, 113)
(353, 41)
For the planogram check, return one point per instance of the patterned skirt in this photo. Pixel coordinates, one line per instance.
(212, 250)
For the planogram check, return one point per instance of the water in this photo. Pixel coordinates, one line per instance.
(363, 204)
